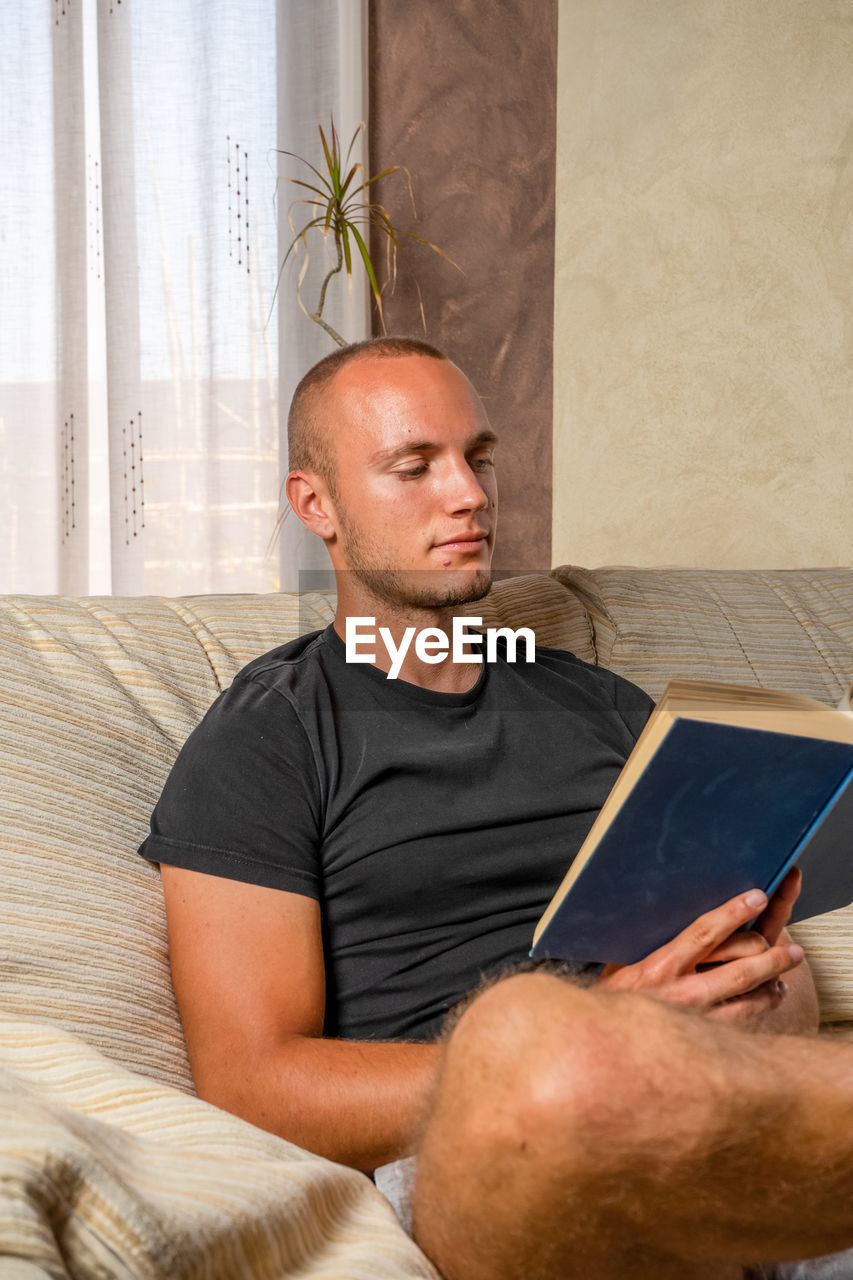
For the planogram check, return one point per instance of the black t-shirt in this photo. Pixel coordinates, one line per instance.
(432, 827)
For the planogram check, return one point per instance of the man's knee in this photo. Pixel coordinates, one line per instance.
(512, 1052)
(535, 1094)
(584, 1084)
(538, 1060)
(555, 1100)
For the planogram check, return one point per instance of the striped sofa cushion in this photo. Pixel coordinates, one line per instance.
(784, 629)
(105, 1173)
(97, 697)
(557, 617)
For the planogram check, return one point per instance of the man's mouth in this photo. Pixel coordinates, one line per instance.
(468, 541)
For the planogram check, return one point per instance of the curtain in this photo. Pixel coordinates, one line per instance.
(148, 346)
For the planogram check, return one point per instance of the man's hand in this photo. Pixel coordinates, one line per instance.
(754, 978)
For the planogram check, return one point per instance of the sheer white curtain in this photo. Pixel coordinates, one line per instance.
(140, 443)
(336, 31)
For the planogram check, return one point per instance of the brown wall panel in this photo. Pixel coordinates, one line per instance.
(464, 95)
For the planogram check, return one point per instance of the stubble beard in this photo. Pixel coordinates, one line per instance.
(404, 589)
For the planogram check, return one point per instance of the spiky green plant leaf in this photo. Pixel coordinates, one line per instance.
(339, 211)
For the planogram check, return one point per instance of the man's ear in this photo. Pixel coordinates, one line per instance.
(309, 497)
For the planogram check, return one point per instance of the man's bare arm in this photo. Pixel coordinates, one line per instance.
(247, 967)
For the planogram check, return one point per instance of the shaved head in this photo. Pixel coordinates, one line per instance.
(309, 431)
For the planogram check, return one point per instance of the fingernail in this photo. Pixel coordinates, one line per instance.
(755, 899)
(796, 953)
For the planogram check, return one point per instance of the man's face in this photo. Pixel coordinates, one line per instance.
(415, 496)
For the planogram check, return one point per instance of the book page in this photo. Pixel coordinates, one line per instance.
(754, 707)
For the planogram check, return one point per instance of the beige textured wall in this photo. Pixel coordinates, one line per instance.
(704, 283)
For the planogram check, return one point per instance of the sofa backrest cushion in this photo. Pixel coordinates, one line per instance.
(557, 616)
(781, 629)
(98, 695)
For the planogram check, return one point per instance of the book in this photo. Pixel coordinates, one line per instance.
(726, 788)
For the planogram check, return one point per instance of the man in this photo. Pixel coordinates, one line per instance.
(343, 856)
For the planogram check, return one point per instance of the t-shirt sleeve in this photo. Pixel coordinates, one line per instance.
(242, 800)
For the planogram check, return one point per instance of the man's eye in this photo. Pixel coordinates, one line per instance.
(412, 472)
(483, 462)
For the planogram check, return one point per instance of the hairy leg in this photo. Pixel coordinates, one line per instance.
(605, 1136)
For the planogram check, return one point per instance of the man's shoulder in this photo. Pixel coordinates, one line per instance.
(605, 687)
(286, 661)
(292, 673)
(564, 658)
(564, 663)
(300, 665)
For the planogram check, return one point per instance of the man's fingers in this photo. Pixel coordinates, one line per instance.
(744, 1011)
(727, 981)
(746, 942)
(698, 942)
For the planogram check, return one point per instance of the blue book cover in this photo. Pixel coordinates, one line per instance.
(717, 809)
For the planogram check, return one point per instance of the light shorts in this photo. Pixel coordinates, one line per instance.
(396, 1181)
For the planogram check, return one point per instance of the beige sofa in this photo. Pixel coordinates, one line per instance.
(109, 1164)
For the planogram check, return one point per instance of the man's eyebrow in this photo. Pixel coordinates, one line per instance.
(424, 446)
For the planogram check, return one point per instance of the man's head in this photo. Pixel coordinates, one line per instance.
(391, 464)
(310, 445)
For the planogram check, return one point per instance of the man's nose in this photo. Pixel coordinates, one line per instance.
(466, 492)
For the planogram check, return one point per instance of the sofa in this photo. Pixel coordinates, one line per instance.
(110, 1165)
